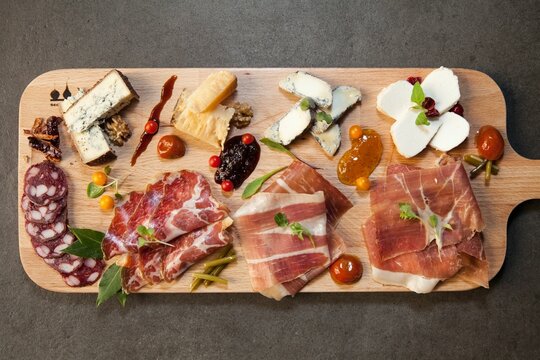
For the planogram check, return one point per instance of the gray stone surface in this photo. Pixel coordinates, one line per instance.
(500, 38)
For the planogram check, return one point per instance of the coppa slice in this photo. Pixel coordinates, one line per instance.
(276, 256)
(45, 182)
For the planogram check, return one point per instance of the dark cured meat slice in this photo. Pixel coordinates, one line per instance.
(65, 264)
(45, 182)
(52, 249)
(87, 274)
(48, 232)
(42, 214)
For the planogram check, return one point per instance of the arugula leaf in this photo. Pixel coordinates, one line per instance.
(277, 147)
(253, 187)
(422, 119)
(305, 104)
(406, 212)
(122, 297)
(417, 95)
(433, 221)
(93, 191)
(323, 116)
(110, 284)
(299, 230)
(107, 170)
(281, 219)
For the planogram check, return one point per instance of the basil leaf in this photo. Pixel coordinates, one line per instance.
(277, 147)
(422, 119)
(417, 95)
(85, 250)
(110, 284)
(253, 187)
(122, 298)
(305, 104)
(93, 191)
(281, 219)
(107, 170)
(433, 221)
(323, 116)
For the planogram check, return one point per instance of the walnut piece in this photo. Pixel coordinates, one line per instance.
(242, 115)
(116, 129)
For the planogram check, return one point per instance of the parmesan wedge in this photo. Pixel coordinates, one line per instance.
(410, 139)
(453, 131)
(212, 91)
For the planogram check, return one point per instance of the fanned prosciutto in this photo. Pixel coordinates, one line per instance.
(418, 253)
(176, 204)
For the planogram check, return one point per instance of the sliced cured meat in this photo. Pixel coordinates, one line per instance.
(176, 204)
(274, 255)
(444, 191)
(45, 182)
(53, 249)
(151, 263)
(48, 232)
(85, 275)
(193, 247)
(65, 264)
(474, 270)
(301, 178)
(132, 279)
(42, 214)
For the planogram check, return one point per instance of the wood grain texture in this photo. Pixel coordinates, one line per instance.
(481, 97)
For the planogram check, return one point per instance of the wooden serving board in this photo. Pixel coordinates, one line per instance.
(481, 97)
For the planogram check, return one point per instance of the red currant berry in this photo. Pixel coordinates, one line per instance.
(247, 139)
(214, 161)
(414, 79)
(432, 113)
(151, 127)
(227, 185)
(458, 109)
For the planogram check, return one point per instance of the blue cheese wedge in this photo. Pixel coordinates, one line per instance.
(343, 98)
(93, 146)
(306, 85)
(290, 126)
(330, 140)
(110, 95)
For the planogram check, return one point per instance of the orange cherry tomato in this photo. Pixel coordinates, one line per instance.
(489, 143)
(99, 178)
(355, 132)
(106, 202)
(347, 269)
(362, 183)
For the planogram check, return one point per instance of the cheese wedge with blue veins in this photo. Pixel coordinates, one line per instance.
(343, 98)
(291, 125)
(306, 85)
(330, 140)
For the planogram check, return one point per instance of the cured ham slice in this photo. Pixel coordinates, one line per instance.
(276, 256)
(176, 204)
(406, 252)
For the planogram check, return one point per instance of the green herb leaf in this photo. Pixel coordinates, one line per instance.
(422, 119)
(118, 196)
(305, 104)
(110, 284)
(433, 221)
(85, 250)
(418, 107)
(88, 235)
(122, 297)
(93, 191)
(406, 212)
(448, 226)
(142, 230)
(277, 147)
(281, 219)
(323, 116)
(107, 170)
(299, 230)
(253, 187)
(418, 96)
(141, 242)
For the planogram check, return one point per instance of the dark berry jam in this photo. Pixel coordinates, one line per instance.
(238, 160)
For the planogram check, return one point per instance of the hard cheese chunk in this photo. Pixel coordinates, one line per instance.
(211, 127)
(212, 91)
(110, 95)
(410, 139)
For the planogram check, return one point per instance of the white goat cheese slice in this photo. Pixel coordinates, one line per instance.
(395, 99)
(410, 139)
(416, 283)
(443, 87)
(453, 131)
(330, 140)
(306, 85)
(286, 129)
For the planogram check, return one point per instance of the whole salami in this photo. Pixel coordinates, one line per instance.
(42, 214)
(45, 182)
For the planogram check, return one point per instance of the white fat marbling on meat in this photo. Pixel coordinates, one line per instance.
(416, 283)
(262, 202)
(72, 281)
(93, 277)
(42, 251)
(41, 189)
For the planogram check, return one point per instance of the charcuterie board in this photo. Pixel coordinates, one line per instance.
(517, 180)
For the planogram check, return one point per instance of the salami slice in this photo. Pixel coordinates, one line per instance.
(65, 264)
(45, 182)
(53, 249)
(87, 274)
(42, 214)
(48, 232)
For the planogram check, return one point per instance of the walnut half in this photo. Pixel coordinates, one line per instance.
(116, 129)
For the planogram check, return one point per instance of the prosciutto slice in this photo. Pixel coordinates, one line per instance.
(274, 255)
(176, 204)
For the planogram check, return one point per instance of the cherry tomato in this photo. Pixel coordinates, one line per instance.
(227, 185)
(214, 161)
(489, 142)
(151, 127)
(171, 147)
(355, 132)
(347, 269)
(99, 178)
(106, 202)
(247, 139)
(362, 183)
